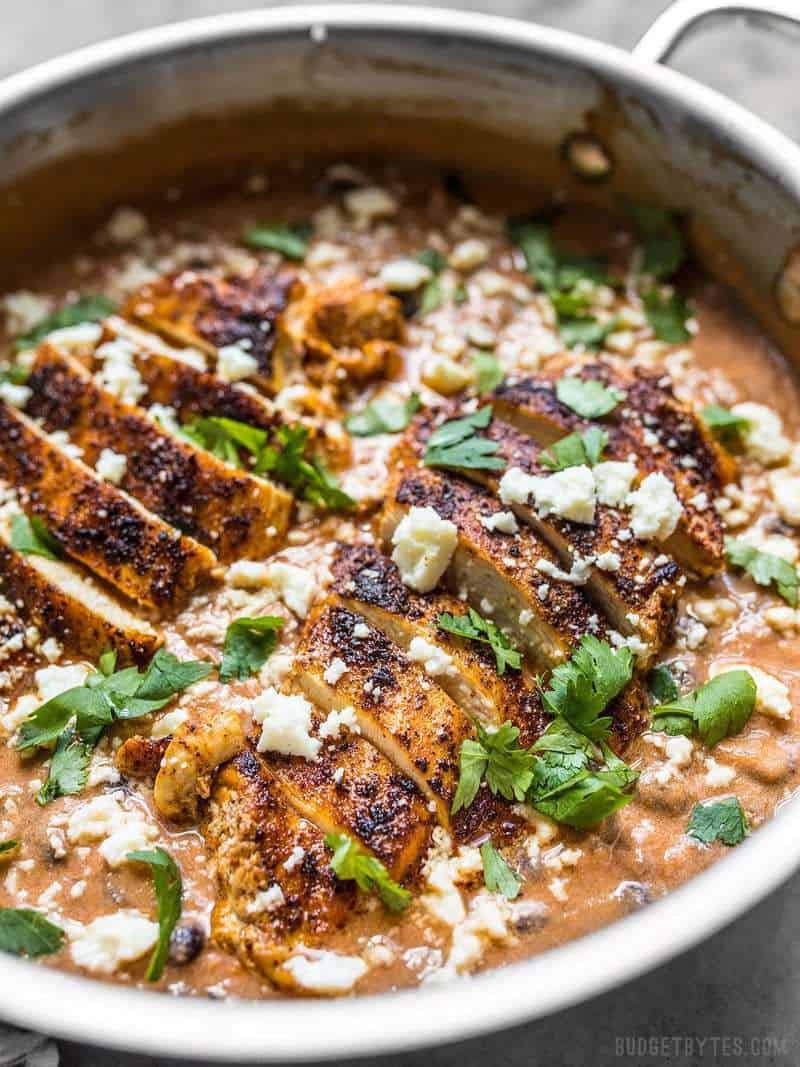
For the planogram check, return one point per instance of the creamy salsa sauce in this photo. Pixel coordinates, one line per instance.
(573, 881)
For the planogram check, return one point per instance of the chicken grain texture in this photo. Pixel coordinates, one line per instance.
(342, 333)
(663, 434)
(104, 528)
(65, 602)
(201, 744)
(205, 310)
(640, 588)
(414, 723)
(233, 513)
(250, 833)
(494, 568)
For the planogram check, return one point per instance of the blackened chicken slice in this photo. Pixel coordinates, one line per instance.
(413, 722)
(234, 513)
(96, 523)
(650, 427)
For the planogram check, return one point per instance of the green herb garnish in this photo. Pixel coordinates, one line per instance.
(663, 246)
(456, 444)
(351, 863)
(497, 757)
(69, 769)
(475, 628)
(588, 397)
(30, 536)
(663, 686)
(581, 689)
(290, 241)
(584, 330)
(667, 316)
(719, 820)
(488, 372)
(497, 875)
(383, 415)
(168, 888)
(575, 450)
(726, 426)
(87, 309)
(718, 709)
(248, 645)
(555, 269)
(11, 845)
(25, 932)
(432, 295)
(764, 568)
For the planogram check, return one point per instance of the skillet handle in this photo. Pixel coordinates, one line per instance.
(670, 28)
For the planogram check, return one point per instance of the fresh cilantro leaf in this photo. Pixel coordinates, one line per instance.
(726, 426)
(69, 769)
(667, 316)
(460, 295)
(14, 375)
(581, 689)
(497, 757)
(305, 477)
(764, 568)
(351, 863)
(248, 645)
(11, 845)
(488, 372)
(587, 397)
(168, 888)
(662, 685)
(30, 536)
(570, 303)
(45, 724)
(575, 450)
(456, 444)
(383, 415)
(587, 799)
(474, 627)
(553, 268)
(663, 246)
(165, 676)
(25, 932)
(719, 820)
(289, 241)
(584, 330)
(432, 297)
(562, 754)
(225, 437)
(497, 875)
(87, 309)
(718, 709)
(107, 663)
(433, 260)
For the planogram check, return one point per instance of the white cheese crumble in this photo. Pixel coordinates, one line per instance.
(405, 275)
(370, 203)
(17, 396)
(234, 363)
(111, 940)
(285, 724)
(335, 670)
(295, 586)
(655, 508)
(424, 544)
(763, 438)
(609, 561)
(118, 374)
(718, 776)
(111, 465)
(613, 480)
(569, 493)
(772, 696)
(469, 254)
(784, 485)
(504, 521)
(24, 310)
(295, 858)
(266, 900)
(325, 972)
(345, 719)
(434, 660)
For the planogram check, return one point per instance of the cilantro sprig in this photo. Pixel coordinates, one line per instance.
(587, 397)
(249, 642)
(25, 932)
(575, 450)
(660, 238)
(488, 372)
(581, 689)
(662, 684)
(718, 709)
(475, 627)
(764, 568)
(667, 316)
(69, 769)
(352, 863)
(725, 425)
(719, 820)
(497, 875)
(290, 241)
(499, 759)
(383, 415)
(168, 887)
(457, 444)
(30, 536)
(432, 295)
(86, 309)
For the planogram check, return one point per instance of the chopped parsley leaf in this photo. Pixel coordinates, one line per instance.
(383, 415)
(575, 450)
(719, 820)
(26, 932)
(587, 397)
(457, 444)
(764, 568)
(497, 875)
(667, 316)
(86, 309)
(290, 241)
(168, 888)
(718, 709)
(351, 863)
(248, 645)
(30, 536)
(475, 628)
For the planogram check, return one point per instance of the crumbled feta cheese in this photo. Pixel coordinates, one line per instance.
(168, 723)
(516, 486)
(296, 857)
(325, 254)
(469, 254)
(51, 649)
(679, 750)
(613, 480)
(405, 275)
(111, 940)
(118, 374)
(424, 544)
(335, 670)
(266, 900)
(434, 660)
(234, 363)
(286, 724)
(53, 681)
(445, 376)
(370, 203)
(135, 834)
(17, 396)
(569, 493)
(655, 508)
(295, 586)
(24, 310)
(344, 719)
(772, 696)
(504, 521)
(609, 561)
(97, 818)
(360, 631)
(166, 417)
(718, 776)
(578, 574)
(763, 438)
(325, 972)
(111, 465)
(784, 485)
